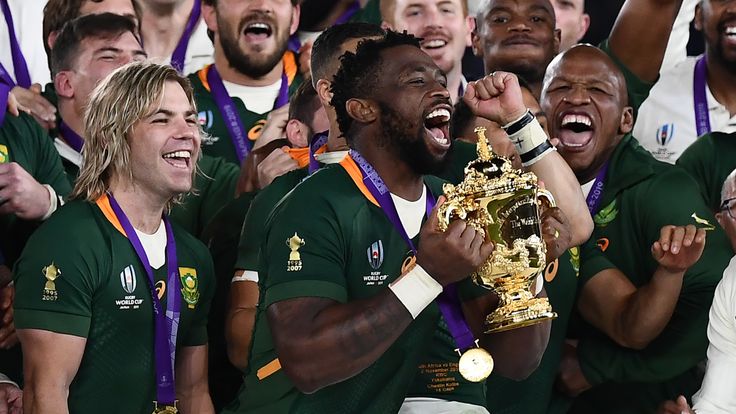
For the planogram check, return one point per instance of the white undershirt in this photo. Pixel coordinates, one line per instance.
(154, 245)
(411, 213)
(68, 153)
(258, 99)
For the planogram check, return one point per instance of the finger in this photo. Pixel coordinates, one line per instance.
(433, 220)
(665, 234)
(484, 89)
(499, 82)
(555, 142)
(467, 236)
(480, 237)
(682, 403)
(657, 250)
(486, 249)
(456, 229)
(700, 236)
(676, 241)
(689, 237)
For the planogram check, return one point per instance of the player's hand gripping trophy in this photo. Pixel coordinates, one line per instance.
(505, 203)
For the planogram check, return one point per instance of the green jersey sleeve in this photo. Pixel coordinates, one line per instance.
(304, 250)
(252, 234)
(683, 342)
(592, 261)
(56, 278)
(709, 160)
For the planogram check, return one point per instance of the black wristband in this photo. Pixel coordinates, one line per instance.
(520, 124)
(537, 151)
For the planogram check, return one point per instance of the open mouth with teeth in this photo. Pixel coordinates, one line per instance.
(431, 44)
(437, 124)
(178, 159)
(576, 130)
(258, 31)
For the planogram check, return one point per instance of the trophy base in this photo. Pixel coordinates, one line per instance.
(519, 314)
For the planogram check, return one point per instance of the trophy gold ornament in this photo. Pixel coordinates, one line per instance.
(504, 203)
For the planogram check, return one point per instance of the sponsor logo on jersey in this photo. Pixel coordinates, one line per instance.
(665, 133)
(606, 215)
(128, 279)
(160, 288)
(208, 139)
(51, 273)
(603, 243)
(4, 154)
(256, 129)
(551, 271)
(295, 259)
(205, 119)
(375, 254)
(189, 286)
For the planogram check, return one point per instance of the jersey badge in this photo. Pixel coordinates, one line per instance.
(128, 279)
(4, 154)
(208, 139)
(603, 243)
(665, 134)
(51, 273)
(575, 260)
(205, 119)
(295, 259)
(606, 215)
(375, 255)
(189, 286)
(255, 131)
(706, 224)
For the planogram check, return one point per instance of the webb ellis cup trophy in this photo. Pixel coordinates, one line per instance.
(504, 203)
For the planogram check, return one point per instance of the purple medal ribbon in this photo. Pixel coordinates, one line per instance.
(595, 196)
(228, 110)
(702, 116)
(448, 301)
(180, 53)
(71, 137)
(22, 76)
(166, 325)
(318, 140)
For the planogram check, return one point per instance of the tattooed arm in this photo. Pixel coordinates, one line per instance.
(321, 342)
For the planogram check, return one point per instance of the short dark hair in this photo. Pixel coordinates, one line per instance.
(326, 48)
(57, 13)
(303, 104)
(359, 72)
(104, 26)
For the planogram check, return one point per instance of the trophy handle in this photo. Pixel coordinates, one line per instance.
(547, 196)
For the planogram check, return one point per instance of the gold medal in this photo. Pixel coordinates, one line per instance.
(475, 364)
(164, 409)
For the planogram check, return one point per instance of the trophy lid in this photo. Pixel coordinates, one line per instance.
(490, 164)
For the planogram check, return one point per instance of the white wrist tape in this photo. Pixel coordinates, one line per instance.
(416, 290)
(532, 143)
(53, 202)
(246, 276)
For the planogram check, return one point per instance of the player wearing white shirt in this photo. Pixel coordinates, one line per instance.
(667, 122)
(25, 15)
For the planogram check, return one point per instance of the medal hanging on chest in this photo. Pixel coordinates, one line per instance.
(475, 364)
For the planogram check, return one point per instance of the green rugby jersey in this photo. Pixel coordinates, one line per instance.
(220, 143)
(255, 221)
(709, 160)
(91, 297)
(23, 141)
(214, 187)
(641, 195)
(340, 229)
(533, 395)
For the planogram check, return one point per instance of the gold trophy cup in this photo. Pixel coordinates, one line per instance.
(503, 202)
